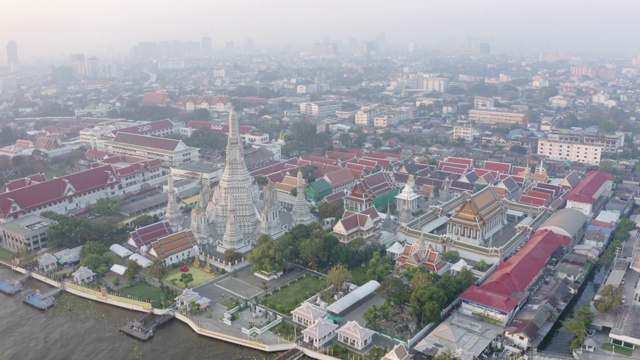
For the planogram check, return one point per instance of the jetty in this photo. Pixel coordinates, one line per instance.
(39, 301)
(10, 287)
(142, 331)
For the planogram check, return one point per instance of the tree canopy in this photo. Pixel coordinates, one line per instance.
(106, 207)
(267, 257)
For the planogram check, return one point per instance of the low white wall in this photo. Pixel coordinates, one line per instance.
(316, 355)
(232, 339)
(45, 279)
(108, 300)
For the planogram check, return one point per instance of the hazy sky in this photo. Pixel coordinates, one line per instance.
(45, 28)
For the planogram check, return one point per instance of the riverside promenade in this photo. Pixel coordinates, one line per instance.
(141, 306)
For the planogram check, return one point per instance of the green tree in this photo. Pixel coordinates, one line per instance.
(452, 256)
(606, 166)
(158, 269)
(106, 207)
(7, 136)
(115, 281)
(482, 266)
(610, 298)
(338, 276)
(446, 354)
(231, 255)
(133, 269)
(143, 220)
(330, 210)
(186, 278)
(394, 290)
(371, 315)
(267, 256)
(379, 267)
(518, 149)
(578, 326)
(427, 303)
(93, 247)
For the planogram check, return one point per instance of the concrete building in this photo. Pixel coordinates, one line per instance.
(325, 49)
(366, 115)
(174, 248)
(497, 116)
(584, 196)
(321, 332)
(27, 233)
(169, 151)
(463, 132)
(320, 108)
(354, 335)
(562, 150)
(307, 314)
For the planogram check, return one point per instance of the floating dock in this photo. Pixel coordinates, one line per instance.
(40, 301)
(141, 331)
(10, 287)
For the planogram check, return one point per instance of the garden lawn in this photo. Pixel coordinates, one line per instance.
(359, 275)
(289, 297)
(617, 349)
(5, 254)
(147, 292)
(230, 302)
(199, 277)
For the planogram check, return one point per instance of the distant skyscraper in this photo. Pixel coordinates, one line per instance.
(370, 47)
(230, 47)
(92, 67)
(248, 46)
(206, 47)
(12, 55)
(78, 64)
(484, 49)
(411, 48)
(325, 49)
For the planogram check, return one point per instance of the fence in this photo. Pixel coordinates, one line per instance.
(232, 339)
(107, 298)
(254, 331)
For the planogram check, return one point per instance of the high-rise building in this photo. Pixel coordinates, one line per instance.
(370, 47)
(78, 64)
(484, 49)
(12, 56)
(206, 47)
(325, 49)
(411, 47)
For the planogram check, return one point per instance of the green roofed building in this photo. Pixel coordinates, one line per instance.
(317, 190)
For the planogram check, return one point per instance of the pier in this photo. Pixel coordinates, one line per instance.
(10, 287)
(37, 300)
(141, 331)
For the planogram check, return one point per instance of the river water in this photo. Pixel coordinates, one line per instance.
(77, 328)
(558, 340)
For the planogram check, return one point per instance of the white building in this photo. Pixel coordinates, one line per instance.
(169, 151)
(320, 108)
(464, 132)
(497, 116)
(320, 332)
(307, 314)
(83, 276)
(174, 248)
(480, 102)
(365, 116)
(558, 102)
(600, 98)
(575, 152)
(354, 335)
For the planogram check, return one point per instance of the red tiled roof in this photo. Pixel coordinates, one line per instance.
(464, 161)
(530, 200)
(42, 194)
(339, 178)
(150, 233)
(147, 141)
(26, 181)
(155, 99)
(586, 190)
(384, 155)
(515, 275)
(174, 244)
(538, 194)
(498, 166)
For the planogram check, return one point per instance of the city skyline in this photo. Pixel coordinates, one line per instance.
(50, 31)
